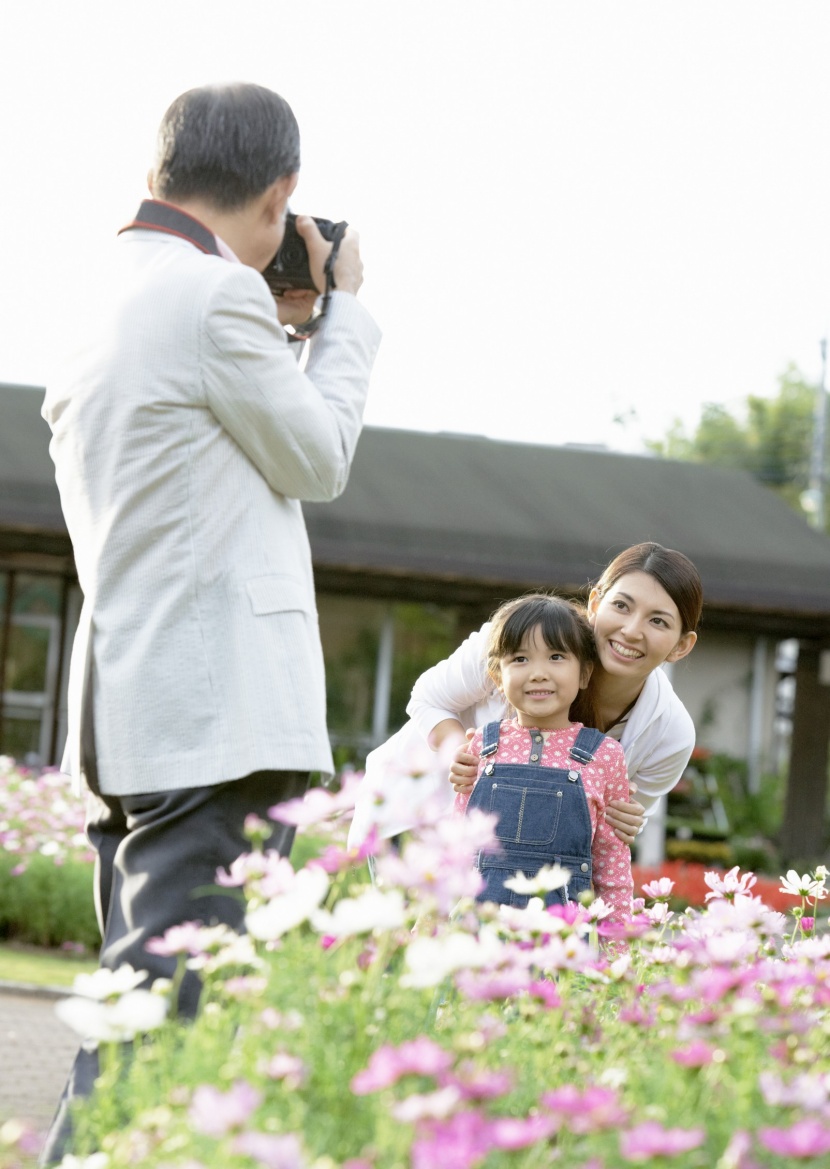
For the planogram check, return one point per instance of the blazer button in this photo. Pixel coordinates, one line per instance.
(584, 867)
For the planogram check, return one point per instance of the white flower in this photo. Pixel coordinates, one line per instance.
(94, 1161)
(431, 960)
(532, 919)
(359, 915)
(804, 886)
(106, 984)
(432, 1106)
(290, 909)
(136, 1012)
(548, 878)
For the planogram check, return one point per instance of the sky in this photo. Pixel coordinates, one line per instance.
(579, 221)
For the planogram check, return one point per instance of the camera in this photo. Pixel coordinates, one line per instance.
(289, 267)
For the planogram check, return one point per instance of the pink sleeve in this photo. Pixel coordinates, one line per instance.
(611, 858)
(463, 798)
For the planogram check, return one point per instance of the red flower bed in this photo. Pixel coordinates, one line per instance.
(690, 887)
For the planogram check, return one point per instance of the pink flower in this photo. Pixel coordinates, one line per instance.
(317, 804)
(805, 1139)
(808, 924)
(729, 885)
(509, 1132)
(462, 1141)
(215, 1113)
(587, 1111)
(179, 939)
(479, 1084)
(694, 1055)
(652, 1140)
(419, 1057)
(274, 1152)
(659, 890)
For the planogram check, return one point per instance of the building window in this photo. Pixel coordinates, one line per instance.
(32, 659)
(374, 651)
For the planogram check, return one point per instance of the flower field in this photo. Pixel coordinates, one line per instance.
(401, 1025)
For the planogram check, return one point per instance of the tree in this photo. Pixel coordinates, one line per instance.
(769, 437)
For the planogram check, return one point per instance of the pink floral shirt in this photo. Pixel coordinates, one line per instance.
(603, 780)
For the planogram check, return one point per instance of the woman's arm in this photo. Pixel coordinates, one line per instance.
(447, 691)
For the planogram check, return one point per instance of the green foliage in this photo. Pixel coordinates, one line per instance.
(769, 437)
(48, 904)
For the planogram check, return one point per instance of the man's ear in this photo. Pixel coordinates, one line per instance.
(683, 647)
(277, 195)
(585, 675)
(151, 181)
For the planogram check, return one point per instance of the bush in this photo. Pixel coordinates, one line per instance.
(46, 866)
(48, 904)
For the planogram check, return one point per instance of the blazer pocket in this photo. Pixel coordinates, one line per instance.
(278, 594)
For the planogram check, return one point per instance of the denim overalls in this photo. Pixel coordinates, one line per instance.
(543, 818)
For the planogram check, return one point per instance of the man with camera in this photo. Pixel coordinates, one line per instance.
(184, 437)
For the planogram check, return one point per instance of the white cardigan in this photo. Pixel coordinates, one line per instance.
(657, 737)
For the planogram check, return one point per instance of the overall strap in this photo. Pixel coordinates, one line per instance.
(490, 739)
(154, 215)
(586, 745)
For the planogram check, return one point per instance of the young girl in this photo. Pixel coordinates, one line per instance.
(547, 778)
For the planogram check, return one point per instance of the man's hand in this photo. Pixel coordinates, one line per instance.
(348, 267)
(295, 305)
(464, 767)
(625, 818)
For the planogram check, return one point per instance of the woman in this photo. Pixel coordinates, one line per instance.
(644, 610)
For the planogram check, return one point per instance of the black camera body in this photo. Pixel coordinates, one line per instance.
(289, 267)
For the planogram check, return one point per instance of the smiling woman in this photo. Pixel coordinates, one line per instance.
(644, 610)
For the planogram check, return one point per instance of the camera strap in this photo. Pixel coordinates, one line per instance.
(154, 215)
(308, 328)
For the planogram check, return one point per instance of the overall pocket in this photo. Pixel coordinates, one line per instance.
(527, 814)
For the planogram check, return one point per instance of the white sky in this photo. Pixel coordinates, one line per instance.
(568, 211)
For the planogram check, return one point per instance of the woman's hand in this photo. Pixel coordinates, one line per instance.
(464, 767)
(626, 818)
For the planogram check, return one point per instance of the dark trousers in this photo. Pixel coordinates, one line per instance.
(157, 857)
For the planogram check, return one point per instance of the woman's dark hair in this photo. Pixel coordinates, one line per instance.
(563, 626)
(225, 144)
(674, 571)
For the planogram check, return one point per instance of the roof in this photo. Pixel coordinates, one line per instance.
(465, 508)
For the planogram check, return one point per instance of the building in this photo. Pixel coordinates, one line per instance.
(432, 532)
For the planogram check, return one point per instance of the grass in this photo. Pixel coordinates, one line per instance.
(38, 967)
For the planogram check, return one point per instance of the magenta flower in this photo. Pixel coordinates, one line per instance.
(695, 1055)
(804, 1140)
(462, 1141)
(215, 1113)
(652, 1140)
(420, 1057)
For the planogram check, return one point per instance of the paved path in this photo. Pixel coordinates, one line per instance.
(36, 1052)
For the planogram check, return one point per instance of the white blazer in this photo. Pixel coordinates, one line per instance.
(184, 435)
(657, 736)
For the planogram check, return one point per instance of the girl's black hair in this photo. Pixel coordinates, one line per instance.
(563, 626)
